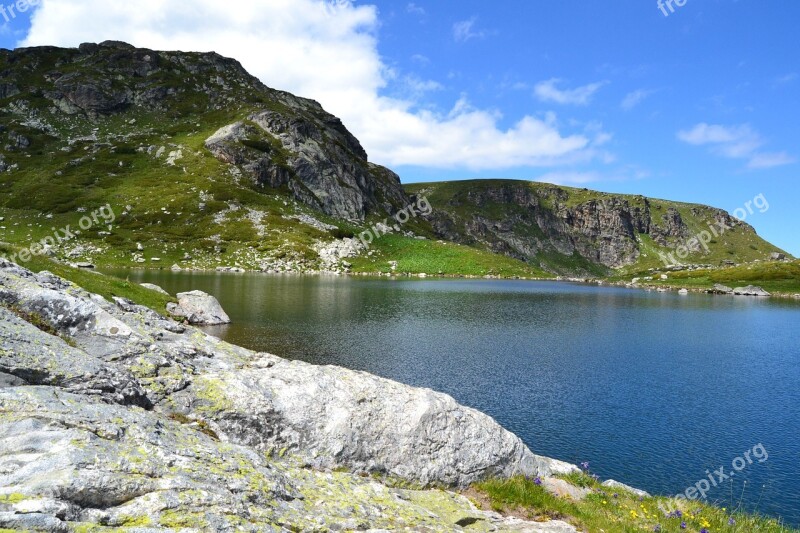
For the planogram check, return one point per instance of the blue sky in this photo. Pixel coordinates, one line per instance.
(699, 106)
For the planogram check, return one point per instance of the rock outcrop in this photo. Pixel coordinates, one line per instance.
(113, 415)
(312, 153)
(750, 290)
(720, 289)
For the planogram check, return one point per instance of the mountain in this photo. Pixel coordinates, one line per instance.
(197, 163)
(564, 229)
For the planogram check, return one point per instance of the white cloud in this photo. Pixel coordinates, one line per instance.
(421, 60)
(570, 177)
(326, 51)
(548, 91)
(578, 177)
(770, 160)
(634, 98)
(785, 79)
(464, 30)
(415, 9)
(734, 142)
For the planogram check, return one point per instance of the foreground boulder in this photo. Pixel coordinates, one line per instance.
(74, 463)
(113, 415)
(331, 416)
(199, 308)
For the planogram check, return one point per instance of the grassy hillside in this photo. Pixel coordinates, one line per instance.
(434, 257)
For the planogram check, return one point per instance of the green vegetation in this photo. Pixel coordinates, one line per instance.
(106, 286)
(201, 425)
(777, 277)
(616, 511)
(427, 256)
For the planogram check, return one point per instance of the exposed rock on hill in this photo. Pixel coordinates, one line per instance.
(578, 230)
(315, 156)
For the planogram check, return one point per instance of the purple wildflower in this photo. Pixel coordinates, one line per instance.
(537, 480)
(683, 525)
(731, 521)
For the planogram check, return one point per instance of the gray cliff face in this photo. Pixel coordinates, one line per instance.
(524, 222)
(312, 153)
(111, 414)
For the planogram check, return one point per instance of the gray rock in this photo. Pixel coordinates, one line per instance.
(720, 289)
(200, 308)
(274, 404)
(617, 485)
(777, 256)
(564, 489)
(71, 462)
(153, 287)
(312, 153)
(750, 290)
(38, 358)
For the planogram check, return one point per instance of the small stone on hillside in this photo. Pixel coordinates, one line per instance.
(153, 287)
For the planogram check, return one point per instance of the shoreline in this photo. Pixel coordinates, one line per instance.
(420, 276)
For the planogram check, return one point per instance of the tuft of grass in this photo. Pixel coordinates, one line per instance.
(201, 425)
(618, 511)
(40, 323)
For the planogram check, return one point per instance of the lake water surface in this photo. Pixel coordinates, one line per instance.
(652, 389)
